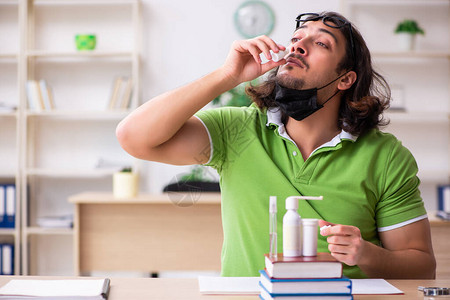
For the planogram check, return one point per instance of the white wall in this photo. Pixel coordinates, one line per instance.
(184, 40)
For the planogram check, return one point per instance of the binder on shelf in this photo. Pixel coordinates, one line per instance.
(7, 259)
(2, 204)
(7, 205)
(444, 202)
(10, 206)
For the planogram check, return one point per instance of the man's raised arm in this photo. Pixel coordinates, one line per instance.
(164, 129)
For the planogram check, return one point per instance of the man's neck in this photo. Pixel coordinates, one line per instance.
(313, 131)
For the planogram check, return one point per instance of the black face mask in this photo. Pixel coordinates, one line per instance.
(299, 104)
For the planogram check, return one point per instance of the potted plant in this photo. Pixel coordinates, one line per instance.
(125, 183)
(194, 181)
(407, 31)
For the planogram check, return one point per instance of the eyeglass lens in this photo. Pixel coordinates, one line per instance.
(333, 22)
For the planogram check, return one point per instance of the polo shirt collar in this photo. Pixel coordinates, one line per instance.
(274, 118)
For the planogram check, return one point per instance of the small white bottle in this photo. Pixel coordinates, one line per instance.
(309, 245)
(292, 229)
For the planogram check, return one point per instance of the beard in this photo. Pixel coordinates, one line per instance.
(289, 81)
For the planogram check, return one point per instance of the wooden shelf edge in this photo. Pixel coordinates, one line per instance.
(74, 173)
(163, 198)
(48, 231)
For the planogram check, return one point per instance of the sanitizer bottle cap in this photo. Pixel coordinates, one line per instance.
(292, 203)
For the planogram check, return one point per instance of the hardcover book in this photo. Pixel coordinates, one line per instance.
(265, 295)
(321, 266)
(306, 286)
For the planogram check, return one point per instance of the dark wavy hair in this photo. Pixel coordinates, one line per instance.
(362, 105)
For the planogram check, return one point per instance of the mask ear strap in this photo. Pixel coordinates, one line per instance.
(330, 97)
(332, 82)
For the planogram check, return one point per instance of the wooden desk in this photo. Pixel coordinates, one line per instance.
(440, 235)
(148, 233)
(187, 289)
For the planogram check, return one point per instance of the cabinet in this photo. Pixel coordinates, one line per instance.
(52, 153)
(419, 80)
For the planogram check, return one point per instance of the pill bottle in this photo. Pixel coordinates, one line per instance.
(309, 245)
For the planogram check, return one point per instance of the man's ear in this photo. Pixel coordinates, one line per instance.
(347, 80)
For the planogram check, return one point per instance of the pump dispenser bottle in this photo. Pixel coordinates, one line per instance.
(292, 239)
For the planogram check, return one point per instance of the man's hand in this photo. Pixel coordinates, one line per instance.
(406, 253)
(243, 62)
(344, 242)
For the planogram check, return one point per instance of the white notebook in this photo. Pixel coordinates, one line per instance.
(60, 289)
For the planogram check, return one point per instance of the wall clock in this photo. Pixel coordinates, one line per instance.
(254, 18)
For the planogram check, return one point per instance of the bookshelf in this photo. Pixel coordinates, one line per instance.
(419, 80)
(53, 153)
(10, 63)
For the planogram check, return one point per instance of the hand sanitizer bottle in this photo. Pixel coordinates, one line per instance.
(292, 239)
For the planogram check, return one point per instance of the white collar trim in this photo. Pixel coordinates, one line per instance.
(274, 117)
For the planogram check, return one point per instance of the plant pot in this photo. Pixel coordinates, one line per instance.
(125, 184)
(406, 41)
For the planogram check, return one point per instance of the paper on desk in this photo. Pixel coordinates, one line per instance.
(249, 285)
(228, 285)
(373, 286)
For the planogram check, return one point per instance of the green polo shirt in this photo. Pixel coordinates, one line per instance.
(369, 182)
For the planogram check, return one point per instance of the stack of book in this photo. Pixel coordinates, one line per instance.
(311, 277)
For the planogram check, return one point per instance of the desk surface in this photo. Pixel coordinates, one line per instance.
(176, 288)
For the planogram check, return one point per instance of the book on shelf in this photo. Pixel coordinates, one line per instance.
(58, 289)
(305, 286)
(65, 221)
(324, 265)
(7, 205)
(39, 95)
(7, 259)
(7, 108)
(121, 93)
(47, 95)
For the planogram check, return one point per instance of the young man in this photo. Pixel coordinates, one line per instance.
(312, 131)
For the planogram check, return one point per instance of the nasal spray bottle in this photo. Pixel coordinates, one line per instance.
(292, 226)
(275, 56)
(273, 226)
